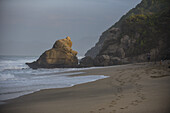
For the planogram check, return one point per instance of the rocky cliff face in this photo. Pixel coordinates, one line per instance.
(61, 55)
(144, 29)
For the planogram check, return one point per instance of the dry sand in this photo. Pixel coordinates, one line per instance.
(133, 88)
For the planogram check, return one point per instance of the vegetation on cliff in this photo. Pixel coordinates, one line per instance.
(143, 29)
(151, 20)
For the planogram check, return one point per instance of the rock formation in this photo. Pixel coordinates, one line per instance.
(144, 29)
(61, 55)
(86, 62)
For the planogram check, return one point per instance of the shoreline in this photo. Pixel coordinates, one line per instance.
(130, 88)
(71, 73)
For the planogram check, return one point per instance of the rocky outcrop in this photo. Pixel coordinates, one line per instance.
(103, 60)
(144, 29)
(94, 51)
(86, 62)
(61, 55)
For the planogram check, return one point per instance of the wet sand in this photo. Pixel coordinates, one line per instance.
(132, 88)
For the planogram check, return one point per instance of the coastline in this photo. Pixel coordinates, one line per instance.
(132, 88)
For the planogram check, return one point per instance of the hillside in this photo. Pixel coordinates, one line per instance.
(144, 29)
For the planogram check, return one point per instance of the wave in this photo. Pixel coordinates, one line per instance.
(17, 79)
(15, 88)
(8, 62)
(6, 77)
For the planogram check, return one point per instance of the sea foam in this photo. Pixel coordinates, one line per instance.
(17, 79)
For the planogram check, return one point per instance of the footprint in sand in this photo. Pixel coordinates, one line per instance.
(139, 87)
(101, 109)
(113, 111)
(113, 102)
(134, 75)
(136, 84)
(133, 103)
(119, 89)
(111, 106)
(122, 83)
(142, 97)
(124, 107)
(119, 97)
(138, 90)
(118, 80)
(136, 102)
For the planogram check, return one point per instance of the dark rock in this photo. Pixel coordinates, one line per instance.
(144, 29)
(115, 61)
(103, 60)
(86, 62)
(110, 34)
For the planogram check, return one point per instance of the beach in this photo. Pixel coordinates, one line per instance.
(131, 88)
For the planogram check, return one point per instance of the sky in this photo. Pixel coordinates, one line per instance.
(29, 27)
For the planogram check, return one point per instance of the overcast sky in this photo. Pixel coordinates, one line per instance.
(29, 27)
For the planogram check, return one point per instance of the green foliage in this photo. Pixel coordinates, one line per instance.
(137, 18)
(142, 43)
(150, 19)
(146, 7)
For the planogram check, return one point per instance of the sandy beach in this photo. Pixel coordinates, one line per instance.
(132, 88)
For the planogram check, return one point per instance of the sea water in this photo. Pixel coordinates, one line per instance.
(17, 79)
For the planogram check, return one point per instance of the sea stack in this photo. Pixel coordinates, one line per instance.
(60, 56)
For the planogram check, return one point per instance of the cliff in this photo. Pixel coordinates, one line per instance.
(144, 29)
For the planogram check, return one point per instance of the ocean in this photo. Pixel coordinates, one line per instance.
(17, 79)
